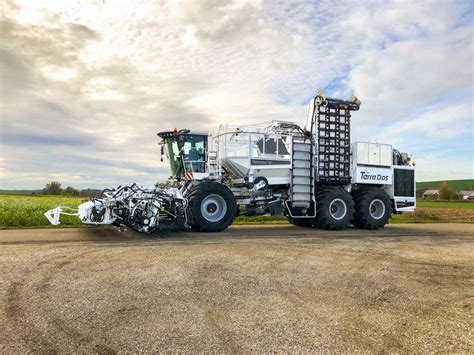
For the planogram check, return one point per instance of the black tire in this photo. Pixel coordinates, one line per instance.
(334, 208)
(373, 208)
(206, 204)
(301, 222)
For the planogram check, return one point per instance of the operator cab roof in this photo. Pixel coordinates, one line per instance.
(175, 133)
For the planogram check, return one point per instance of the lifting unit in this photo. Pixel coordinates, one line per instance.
(313, 175)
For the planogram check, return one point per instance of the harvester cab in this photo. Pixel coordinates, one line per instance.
(187, 153)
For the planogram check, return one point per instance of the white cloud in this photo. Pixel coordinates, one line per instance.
(90, 83)
(437, 123)
(429, 72)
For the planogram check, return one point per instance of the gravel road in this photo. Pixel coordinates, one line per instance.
(407, 288)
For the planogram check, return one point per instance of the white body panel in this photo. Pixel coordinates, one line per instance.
(363, 174)
(200, 176)
(275, 174)
(276, 171)
(400, 201)
(85, 213)
(375, 154)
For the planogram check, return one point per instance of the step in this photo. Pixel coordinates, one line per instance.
(303, 164)
(301, 189)
(299, 147)
(301, 172)
(301, 180)
(301, 156)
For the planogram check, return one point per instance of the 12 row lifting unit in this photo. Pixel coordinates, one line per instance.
(313, 175)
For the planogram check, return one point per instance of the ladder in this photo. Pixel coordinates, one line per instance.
(213, 165)
(302, 174)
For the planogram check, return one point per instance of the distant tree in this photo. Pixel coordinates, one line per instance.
(445, 192)
(90, 193)
(52, 188)
(70, 191)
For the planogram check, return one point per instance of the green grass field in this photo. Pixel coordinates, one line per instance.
(27, 212)
(446, 204)
(456, 185)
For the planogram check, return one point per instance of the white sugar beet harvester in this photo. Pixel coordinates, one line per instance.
(313, 175)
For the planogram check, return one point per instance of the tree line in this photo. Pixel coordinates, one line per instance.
(55, 188)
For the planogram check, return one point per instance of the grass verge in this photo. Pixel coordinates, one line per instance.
(446, 204)
(18, 211)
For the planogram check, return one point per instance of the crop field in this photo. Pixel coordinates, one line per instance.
(456, 185)
(446, 204)
(17, 211)
(465, 214)
(27, 211)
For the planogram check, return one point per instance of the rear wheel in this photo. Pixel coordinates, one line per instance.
(373, 208)
(334, 208)
(212, 206)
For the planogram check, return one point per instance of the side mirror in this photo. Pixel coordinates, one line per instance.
(162, 151)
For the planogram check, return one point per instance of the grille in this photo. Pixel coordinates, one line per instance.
(404, 182)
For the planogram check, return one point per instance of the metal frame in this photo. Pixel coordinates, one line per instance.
(331, 118)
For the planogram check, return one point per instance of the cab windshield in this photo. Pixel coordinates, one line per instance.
(194, 154)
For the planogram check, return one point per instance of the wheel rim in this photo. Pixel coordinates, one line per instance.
(337, 209)
(377, 209)
(213, 208)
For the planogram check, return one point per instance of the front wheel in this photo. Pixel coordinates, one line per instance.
(212, 206)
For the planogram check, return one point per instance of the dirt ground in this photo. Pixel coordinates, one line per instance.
(407, 288)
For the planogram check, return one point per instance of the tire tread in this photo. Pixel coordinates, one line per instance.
(362, 199)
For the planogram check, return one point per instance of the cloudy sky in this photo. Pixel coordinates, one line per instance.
(85, 85)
